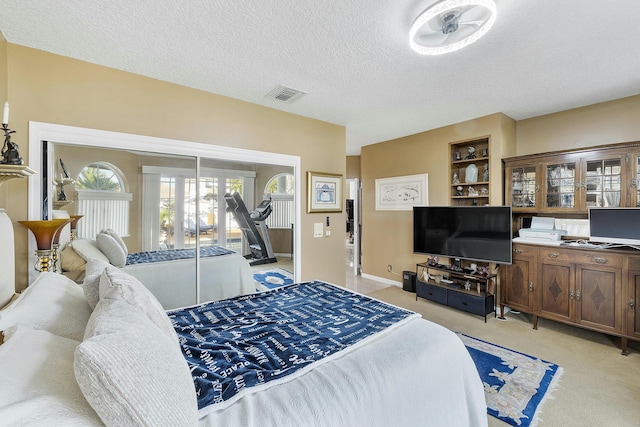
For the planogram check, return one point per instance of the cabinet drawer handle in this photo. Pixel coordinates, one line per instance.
(537, 188)
(578, 295)
(553, 255)
(600, 260)
(632, 303)
(517, 251)
(530, 286)
(571, 294)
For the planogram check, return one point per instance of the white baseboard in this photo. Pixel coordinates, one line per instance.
(381, 279)
(283, 255)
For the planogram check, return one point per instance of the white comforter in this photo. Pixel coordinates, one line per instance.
(419, 374)
(173, 283)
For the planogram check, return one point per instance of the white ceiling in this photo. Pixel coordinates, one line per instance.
(352, 58)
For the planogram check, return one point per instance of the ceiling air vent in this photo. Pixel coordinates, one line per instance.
(285, 94)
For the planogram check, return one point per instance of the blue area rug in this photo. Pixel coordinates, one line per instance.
(272, 278)
(515, 385)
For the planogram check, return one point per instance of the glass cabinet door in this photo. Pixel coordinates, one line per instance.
(561, 186)
(524, 187)
(603, 183)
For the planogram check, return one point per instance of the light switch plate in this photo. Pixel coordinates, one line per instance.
(318, 229)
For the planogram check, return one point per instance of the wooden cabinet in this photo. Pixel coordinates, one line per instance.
(598, 292)
(522, 186)
(521, 276)
(634, 193)
(557, 286)
(631, 298)
(469, 172)
(572, 182)
(582, 287)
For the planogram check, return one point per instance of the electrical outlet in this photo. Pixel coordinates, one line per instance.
(389, 268)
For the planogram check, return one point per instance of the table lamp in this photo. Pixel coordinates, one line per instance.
(55, 245)
(44, 231)
(74, 226)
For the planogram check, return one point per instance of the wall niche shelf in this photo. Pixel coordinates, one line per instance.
(469, 183)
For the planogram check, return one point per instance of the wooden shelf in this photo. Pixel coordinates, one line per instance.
(458, 168)
(465, 161)
(471, 183)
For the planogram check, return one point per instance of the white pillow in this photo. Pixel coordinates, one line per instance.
(116, 236)
(53, 303)
(112, 249)
(131, 373)
(116, 284)
(38, 385)
(88, 249)
(91, 283)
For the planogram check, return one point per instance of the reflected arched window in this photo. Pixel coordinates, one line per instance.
(282, 183)
(102, 199)
(100, 176)
(281, 189)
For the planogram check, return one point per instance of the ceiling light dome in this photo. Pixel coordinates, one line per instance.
(449, 25)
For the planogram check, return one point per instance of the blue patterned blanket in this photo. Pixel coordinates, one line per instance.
(239, 345)
(173, 254)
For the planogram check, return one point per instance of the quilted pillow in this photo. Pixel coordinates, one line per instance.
(112, 249)
(118, 239)
(131, 373)
(91, 284)
(38, 385)
(53, 303)
(116, 284)
(88, 249)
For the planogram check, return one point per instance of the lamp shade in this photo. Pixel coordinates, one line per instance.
(56, 237)
(45, 230)
(74, 221)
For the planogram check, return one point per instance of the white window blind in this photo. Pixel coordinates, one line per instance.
(102, 209)
(283, 214)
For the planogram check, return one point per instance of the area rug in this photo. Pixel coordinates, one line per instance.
(515, 385)
(272, 278)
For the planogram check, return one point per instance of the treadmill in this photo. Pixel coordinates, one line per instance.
(254, 227)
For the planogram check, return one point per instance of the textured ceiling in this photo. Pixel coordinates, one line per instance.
(352, 58)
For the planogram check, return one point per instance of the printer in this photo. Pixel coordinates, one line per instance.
(542, 230)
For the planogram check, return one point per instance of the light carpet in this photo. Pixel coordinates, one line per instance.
(515, 385)
(272, 278)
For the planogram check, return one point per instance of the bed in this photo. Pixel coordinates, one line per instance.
(170, 275)
(107, 353)
(224, 273)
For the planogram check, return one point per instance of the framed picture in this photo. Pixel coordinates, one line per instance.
(402, 193)
(324, 192)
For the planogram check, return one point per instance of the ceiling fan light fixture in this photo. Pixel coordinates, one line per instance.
(450, 25)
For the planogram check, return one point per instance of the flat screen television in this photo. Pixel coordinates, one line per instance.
(615, 225)
(476, 233)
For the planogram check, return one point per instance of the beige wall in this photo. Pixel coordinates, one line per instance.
(387, 236)
(598, 124)
(353, 167)
(605, 123)
(50, 88)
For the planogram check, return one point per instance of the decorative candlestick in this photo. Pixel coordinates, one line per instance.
(10, 153)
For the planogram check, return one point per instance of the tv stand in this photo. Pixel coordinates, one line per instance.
(456, 287)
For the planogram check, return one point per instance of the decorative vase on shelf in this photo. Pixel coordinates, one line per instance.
(471, 173)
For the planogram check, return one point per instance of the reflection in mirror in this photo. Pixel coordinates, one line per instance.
(166, 207)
